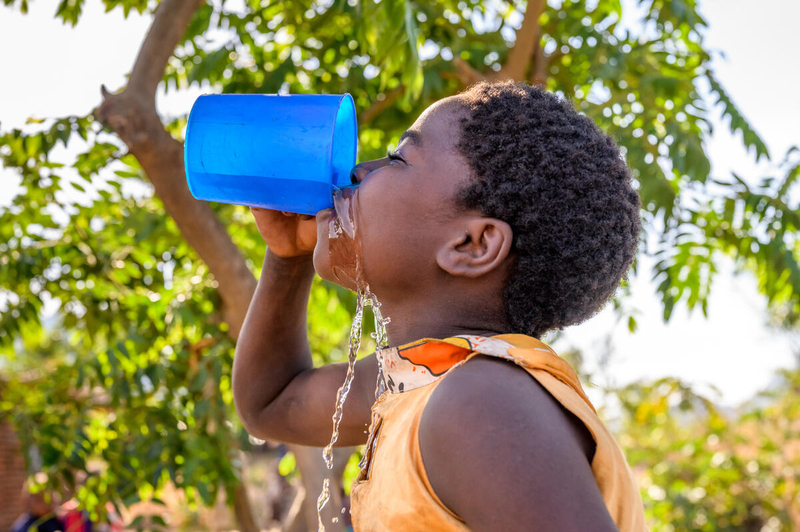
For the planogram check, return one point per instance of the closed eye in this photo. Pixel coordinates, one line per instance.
(394, 156)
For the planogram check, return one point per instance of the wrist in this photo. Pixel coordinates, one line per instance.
(288, 264)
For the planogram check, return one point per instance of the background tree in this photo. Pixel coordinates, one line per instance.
(701, 467)
(150, 286)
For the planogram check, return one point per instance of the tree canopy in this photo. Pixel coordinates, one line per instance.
(121, 296)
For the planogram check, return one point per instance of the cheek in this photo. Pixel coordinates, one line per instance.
(398, 238)
(383, 219)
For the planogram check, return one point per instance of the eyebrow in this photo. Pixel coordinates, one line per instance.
(414, 137)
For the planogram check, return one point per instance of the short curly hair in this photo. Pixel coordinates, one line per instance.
(565, 190)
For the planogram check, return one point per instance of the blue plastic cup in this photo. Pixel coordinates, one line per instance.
(282, 152)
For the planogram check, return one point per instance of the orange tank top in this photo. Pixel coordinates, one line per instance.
(393, 493)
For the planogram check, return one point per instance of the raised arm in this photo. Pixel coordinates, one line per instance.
(278, 393)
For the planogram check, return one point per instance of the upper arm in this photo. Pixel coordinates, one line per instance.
(303, 411)
(503, 454)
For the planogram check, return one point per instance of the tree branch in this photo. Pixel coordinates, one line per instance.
(138, 125)
(540, 64)
(243, 509)
(132, 115)
(519, 58)
(465, 73)
(516, 64)
(169, 23)
(380, 106)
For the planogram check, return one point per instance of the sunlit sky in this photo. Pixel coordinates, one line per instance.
(51, 70)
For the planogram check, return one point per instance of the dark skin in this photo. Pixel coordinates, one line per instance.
(499, 451)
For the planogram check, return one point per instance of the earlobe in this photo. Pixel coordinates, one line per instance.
(476, 250)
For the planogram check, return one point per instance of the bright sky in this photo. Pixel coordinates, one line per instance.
(53, 70)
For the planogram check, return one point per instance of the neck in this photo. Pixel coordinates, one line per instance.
(412, 320)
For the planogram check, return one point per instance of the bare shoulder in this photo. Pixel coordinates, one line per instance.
(497, 392)
(503, 454)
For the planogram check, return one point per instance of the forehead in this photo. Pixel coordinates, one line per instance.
(431, 140)
(437, 129)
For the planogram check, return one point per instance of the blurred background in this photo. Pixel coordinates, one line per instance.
(121, 297)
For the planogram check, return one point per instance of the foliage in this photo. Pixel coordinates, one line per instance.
(132, 374)
(757, 226)
(701, 468)
(114, 350)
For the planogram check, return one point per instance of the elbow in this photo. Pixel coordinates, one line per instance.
(252, 417)
(247, 408)
(244, 411)
(255, 413)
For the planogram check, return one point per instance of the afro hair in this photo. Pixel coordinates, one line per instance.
(565, 190)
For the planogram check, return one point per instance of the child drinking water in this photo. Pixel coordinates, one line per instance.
(501, 215)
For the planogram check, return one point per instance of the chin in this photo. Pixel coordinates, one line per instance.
(335, 258)
(322, 260)
(344, 277)
(323, 265)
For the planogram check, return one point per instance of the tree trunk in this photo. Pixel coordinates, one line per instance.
(312, 474)
(527, 41)
(132, 115)
(242, 509)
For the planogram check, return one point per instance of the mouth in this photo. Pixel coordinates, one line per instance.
(339, 221)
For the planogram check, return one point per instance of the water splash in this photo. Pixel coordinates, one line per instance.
(381, 340)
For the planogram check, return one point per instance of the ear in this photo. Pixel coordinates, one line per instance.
(478, 248)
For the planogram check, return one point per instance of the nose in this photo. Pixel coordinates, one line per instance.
(362, 170)
(357, 174)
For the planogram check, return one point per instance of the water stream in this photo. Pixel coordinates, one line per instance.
(365, 299)
(346, 257)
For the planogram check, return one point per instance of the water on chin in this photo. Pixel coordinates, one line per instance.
(344, 248)
(344, 244)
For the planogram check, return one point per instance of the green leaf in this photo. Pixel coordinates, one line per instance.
(737, 119)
